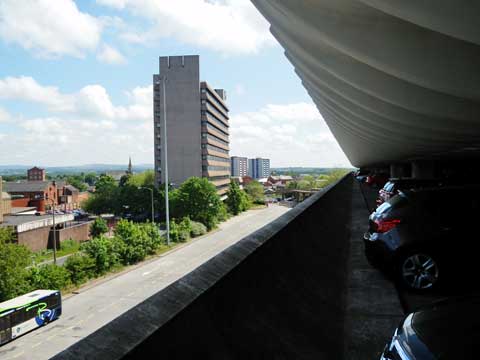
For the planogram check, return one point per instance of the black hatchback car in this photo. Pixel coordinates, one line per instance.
(426, 237)
(445, 330)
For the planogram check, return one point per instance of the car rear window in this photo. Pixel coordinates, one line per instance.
(388, 186)
(395, 202)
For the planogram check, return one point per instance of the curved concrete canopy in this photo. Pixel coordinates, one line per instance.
(395, 80)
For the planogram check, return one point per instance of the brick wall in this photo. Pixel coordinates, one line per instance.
(78, 233)
(35, 240)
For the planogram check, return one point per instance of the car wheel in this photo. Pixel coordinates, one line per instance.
(419, 271)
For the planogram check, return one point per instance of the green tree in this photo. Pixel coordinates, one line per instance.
(105, 199)
(99, 227)
(77, 181)
(104, 251)
(81, 268)
(49, 276)
(91, 178)
(197, 199)
(237, 200)
(255, 190)
(14, 259)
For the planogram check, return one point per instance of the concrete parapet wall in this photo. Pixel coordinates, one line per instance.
(277, 294)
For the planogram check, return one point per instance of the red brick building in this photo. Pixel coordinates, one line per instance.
(32, 193)
(36, 174)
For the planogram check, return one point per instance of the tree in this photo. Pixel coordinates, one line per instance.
(197, 198)
(255, 190)
(99, 227)
(237, 200)
(77, 181)
(105, 199)
(14, 260)
(91, 178)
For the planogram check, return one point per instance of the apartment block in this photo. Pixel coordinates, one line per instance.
(259, 168)
(197, 124)
(239, 166)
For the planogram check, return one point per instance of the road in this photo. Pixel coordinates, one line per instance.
(95, 306)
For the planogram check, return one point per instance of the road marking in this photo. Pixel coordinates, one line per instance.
(131, 294)
(37, 344)
(18, 355)
(146, 273)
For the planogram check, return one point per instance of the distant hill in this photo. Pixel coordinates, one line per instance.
(96, 168)
(302, 170)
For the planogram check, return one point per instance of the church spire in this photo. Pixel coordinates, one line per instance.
(130, 170)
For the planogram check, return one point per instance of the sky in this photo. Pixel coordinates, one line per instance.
(75, 81)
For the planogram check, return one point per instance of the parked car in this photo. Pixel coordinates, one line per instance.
(447, 329)
(377, 179)
(426, 236)
(393, 185)
(361, 175)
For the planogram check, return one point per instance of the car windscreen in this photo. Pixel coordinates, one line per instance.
(396, 202)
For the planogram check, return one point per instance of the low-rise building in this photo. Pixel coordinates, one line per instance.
(36, 233)
(32, 193)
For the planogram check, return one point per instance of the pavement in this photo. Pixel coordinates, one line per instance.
(92, 307)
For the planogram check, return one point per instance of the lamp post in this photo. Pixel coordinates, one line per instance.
(54, 233)
(151, 193)
(165, 149)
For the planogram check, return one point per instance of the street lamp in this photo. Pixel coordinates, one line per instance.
(54, 232)
(167, 215)
(151, 192)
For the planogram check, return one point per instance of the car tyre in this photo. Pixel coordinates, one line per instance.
(418, 271)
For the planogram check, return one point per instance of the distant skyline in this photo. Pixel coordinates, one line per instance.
(79, 91)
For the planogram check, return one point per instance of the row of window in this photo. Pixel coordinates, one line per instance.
(213, 120)
(215, 168)
(215, 138)
(214, 99)
(211, 109)
(216, 178)
(214, 148)
(211, 127)
(215, 158)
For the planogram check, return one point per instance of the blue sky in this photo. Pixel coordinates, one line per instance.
(75, 81)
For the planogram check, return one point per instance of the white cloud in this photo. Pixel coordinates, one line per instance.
(49, 28)
(288, 134)
(4, 116)
(90, 101)
(78, 141)
(110, 55)
(226, 26)
(26, 88)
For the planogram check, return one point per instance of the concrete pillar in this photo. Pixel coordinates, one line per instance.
(399, 170)
(423, 169)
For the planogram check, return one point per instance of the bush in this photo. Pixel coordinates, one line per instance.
(135, 240)
(81, 268)
(99, 227)
(49, 276)
(180, 232)
(153, 238)
(197, 229)
(69, 245)
(104, 253)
